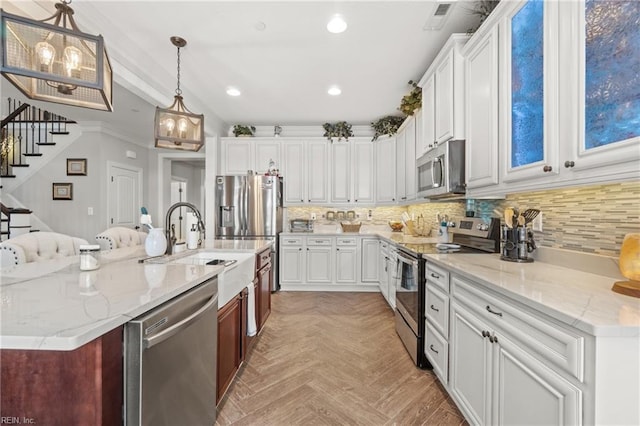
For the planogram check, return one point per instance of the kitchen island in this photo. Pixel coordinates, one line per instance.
(61, 330)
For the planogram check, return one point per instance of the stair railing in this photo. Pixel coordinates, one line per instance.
(23, 131)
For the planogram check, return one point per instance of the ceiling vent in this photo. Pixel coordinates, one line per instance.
(439, 17)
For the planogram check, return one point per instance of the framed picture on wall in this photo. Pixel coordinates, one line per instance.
(62, 191)
(76, 166)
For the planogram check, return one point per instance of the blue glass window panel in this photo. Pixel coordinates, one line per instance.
(527, 84)
(612, 63)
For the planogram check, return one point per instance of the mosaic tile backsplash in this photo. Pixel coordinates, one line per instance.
(591, 219)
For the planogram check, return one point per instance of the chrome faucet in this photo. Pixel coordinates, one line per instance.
(171, 239)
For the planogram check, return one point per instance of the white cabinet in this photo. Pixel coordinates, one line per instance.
(238, 155)
(370, 251)
(363, 171)
(319, 253)
(265, 152)
(352, 172)
(341, 169)
(383, 271)
(436, 343)
(346, 260)
(481, 109)
(385, 181)
(443, 94)
(401, 159)
(292, 260)
(428, 113)
(306, 172)
(552, 127)
(498, 367)
(406, 185)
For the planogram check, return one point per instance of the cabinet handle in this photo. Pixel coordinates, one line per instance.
(393, 199)
(307, 248)
(495, 339)
(300, 249)
(491, 339)
(431, 347)
(302, 201)
(404, 198)
(493, 312)
(436, 276)
(569, 164)
(349, 200)
(337, 248)
(434, 308)
(485, 333)
(547, 169)
(309, 200)
(356, 201)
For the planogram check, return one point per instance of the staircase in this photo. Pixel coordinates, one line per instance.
(29, 138)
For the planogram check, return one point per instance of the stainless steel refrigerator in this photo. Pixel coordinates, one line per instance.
(250, 207)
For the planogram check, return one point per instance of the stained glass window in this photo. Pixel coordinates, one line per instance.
(612, 64)
(527, 84)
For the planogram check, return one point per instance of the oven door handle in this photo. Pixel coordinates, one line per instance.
(161, 337)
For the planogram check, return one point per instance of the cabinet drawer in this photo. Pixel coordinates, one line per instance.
(552, 342)
(436, 350)
(349, 241)
(291, 241)
(437, 309)
(318, 241)
(437, 275)
(263, 258)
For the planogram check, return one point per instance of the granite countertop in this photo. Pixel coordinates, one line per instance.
(581, 299)
(54, 306)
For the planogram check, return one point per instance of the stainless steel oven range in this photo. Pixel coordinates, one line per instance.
(470, 235)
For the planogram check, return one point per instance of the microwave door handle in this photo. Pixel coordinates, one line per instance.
(433, 176)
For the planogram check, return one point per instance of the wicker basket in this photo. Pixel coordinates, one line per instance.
(350, 227)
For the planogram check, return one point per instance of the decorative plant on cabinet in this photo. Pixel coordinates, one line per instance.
(413, 100)
(386, 126)
(339, 130)
(240, 130)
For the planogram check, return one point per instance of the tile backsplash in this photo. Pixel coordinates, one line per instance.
(591, 219)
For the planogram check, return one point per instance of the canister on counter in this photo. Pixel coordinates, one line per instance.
(89, 257)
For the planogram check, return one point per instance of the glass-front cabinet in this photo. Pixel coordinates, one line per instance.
(607, 56)
(529, 99)
(570, 92)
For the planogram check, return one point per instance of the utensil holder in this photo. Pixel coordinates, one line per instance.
(514, 244)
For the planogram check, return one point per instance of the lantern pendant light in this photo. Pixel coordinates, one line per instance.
(56, 62)
(175, 126)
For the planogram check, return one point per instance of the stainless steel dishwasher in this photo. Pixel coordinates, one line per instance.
(170, 361)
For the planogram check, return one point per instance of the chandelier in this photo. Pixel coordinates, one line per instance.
(175, 126)
(56, 62)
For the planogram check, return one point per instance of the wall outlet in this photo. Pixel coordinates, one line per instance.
(537, 223)
(313, 216)
(369, 215)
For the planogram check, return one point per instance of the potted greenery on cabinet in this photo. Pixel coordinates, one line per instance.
(240, 130)
(339, 130)
(386, 126)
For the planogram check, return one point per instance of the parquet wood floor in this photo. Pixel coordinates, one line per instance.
(333, 359)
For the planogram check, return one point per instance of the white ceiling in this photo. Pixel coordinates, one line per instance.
(283, 71)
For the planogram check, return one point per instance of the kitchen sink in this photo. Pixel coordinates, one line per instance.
(238, 273)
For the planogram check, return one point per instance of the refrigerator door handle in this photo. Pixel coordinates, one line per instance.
(243, 207)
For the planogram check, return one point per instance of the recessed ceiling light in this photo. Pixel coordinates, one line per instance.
(260, 26)
(337, 24)
(232, 91)
(334, 91)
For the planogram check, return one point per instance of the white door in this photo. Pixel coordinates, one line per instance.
(124, 195)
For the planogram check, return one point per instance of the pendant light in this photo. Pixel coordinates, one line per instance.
(56, 62)
(175, 126)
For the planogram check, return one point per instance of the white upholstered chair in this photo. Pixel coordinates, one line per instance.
(118, 237)
(37, 247)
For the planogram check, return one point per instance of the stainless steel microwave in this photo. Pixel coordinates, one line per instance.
(441, 171)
